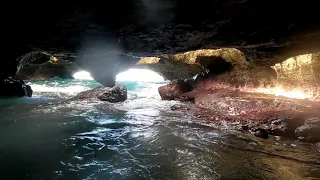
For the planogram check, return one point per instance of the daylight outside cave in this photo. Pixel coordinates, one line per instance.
(82, 75)
(139, 75)
(157, 92)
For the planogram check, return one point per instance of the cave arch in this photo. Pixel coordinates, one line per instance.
(214, 64)
(40, 65)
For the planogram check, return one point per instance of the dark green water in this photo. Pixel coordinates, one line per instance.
(45, 137)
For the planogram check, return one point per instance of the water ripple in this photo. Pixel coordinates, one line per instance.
(139, 139)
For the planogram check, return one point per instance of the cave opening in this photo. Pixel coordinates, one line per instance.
(139, 75)
(83, 75)
(214, 64)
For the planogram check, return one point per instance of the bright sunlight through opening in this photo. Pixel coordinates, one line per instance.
(82, 75)
(141, 75)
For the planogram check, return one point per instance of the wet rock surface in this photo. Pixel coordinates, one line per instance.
(236, 96)
(118, 93)
(174, 90)
(259, 114)
(14, 88)
(310, 130)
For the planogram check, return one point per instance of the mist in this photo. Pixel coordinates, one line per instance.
(103, 59)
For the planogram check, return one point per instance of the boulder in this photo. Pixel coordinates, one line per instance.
(174, 89)
(118, 93)
(14, 88)
(309, 131)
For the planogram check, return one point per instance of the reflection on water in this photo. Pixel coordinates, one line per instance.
(137, 139)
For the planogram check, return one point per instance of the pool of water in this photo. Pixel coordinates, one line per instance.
(47, 137)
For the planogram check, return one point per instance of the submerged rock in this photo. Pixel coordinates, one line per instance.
(14, 88)
(118, 93)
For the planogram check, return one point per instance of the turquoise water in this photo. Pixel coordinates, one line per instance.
(49, 137)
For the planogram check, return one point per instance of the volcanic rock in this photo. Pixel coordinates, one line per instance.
(118, 93)
(174, 89)
(14, 88)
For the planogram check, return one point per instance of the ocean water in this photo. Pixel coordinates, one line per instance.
(49, 137)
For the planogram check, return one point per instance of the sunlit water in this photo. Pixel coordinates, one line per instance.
(47, 137)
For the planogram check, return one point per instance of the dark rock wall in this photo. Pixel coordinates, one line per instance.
(266, 31)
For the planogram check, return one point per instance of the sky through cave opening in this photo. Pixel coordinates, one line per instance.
(139, 75)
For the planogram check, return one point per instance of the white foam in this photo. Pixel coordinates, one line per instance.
(52, 89)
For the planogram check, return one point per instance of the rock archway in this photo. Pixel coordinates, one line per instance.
(265, 32)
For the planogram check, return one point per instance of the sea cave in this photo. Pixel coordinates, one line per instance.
(169, 89)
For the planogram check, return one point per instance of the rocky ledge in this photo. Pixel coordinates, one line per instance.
(259, 114)
(262, 103)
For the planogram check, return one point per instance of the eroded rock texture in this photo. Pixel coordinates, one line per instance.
(47, 70)
(228, 92)
(227, 65)
(265, 31)
(175, 89)
(300, 72)
(118, 93)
